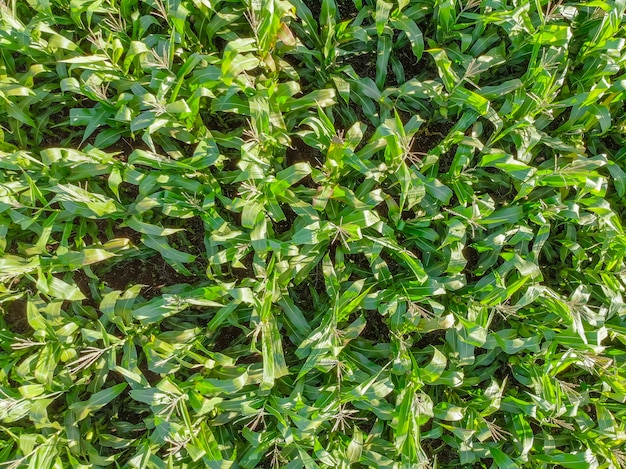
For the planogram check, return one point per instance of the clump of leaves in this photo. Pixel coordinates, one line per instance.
(278, 233)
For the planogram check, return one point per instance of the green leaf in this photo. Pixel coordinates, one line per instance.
(468, 98)
(172, 256)
(431, 372)
(413, 32)
(96, 401)
(382, 14)
(619, 178)
(211, 387)
(148, 229)
(501, 459)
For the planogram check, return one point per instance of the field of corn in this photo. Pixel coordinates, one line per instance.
(312, 234)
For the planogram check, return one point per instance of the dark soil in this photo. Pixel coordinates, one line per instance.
(226, 337)
(354, 113)
(192, 239)
(347, 9)
(364, 64)
(284, 225)
(230, 164)
(316, 8)
(502, 371)
(445, 160)
(14, 314)
(490, 170)
(358, 262)
(105, 234)
(407, 215)
(394, 266)
(367, 425)
(230, 191)
(472, 257)
(431, 135)
(130, 415)
(56, 135)
(437, 337)
(412, 67)
(248, 270)
(445, 454)
(125, 147)
(290, 345)
(223, 121)
(152, 377)
(300, 152)
(128, 233)
(131, 191)
(557, 122)
(376, 328)
(154, 272)
(483, 463)
(383, 210)
(591, 411)
(82, 281)
(250, 359)
(302, 295)
(504, 193)
(611, 142)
